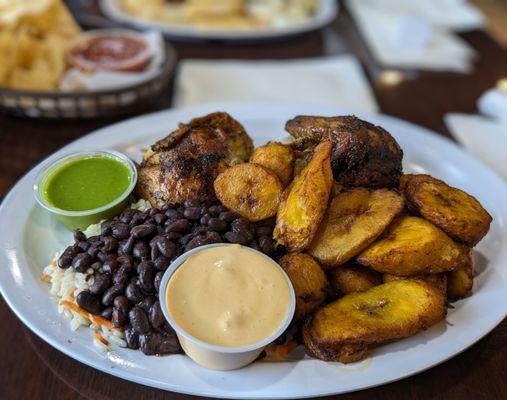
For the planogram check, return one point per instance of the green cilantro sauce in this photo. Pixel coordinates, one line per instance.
(86, 183)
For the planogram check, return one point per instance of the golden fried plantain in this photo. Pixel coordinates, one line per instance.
(438, 281)
(249, 190)
(304, 202)
(412, 246)
(345, 329)
(461, 280)
(457, 213)
(308, 279)
(350, 278)
(277, 157)
(354, 219)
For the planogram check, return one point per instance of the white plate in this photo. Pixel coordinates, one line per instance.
(326, 13)
(29, 236)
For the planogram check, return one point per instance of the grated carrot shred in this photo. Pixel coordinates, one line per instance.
(45, 278)
(101, 339)
(75, 307)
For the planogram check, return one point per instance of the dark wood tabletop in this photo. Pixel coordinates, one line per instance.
(31, 369)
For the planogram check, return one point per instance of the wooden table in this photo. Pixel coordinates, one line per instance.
(31, 369)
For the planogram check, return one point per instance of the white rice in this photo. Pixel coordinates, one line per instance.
(67, 283)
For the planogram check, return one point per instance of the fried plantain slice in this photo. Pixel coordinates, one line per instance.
(345, 329)
(461, 280)
(354, 219)
(249, 190)
(438, 281)
(308, 279)
(413, 246)
(457, 213)
(276, 157)
(350, 278)
(304, 202)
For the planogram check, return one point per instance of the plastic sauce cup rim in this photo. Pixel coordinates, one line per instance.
(52, 165)
(212, 347)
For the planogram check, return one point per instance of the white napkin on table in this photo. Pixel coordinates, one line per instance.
(417, 34)
(483, 137)
(337, 81)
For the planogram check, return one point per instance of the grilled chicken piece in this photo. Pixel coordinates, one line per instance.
(364, 155)
(184, 165)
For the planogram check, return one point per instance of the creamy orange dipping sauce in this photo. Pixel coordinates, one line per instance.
(228, 296)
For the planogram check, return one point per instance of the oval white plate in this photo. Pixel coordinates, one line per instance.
(29, 237)
(326, 13)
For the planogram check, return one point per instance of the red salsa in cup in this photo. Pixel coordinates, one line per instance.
(110, 53)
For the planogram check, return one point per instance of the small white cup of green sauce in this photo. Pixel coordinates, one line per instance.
(86, 187)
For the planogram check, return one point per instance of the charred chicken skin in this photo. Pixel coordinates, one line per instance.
(184, 165)
(363, 154)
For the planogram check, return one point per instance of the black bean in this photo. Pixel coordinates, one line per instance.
(144, 230)
(107, 313)
(270, 222)
(168, 345)
(96, 266)
(79, 236)
(235, 237)
(146, 303)
(126, 246)
(254, 245)
(84, 246)
(81, 262)
(154, 252)
(89, 302)
(132, 339)
(216, 210)
(264, 231)
(141, 251)
(110, 244)
(133, 293)
(146, 273)
(122, 303)
(173, 214)
(156, 316)
(105, 228)
(149, 343)
(227, 216)
(111, 293)
(110, 266)
(217, 224)
(243, 227)
(100, 283)
(161, 263)
(120, 230)
(65, 260)
(138, 219)
(127, 215)
(157, 280)
(205, 219)
(94, 249)
(125, 259)
(159, 218)
(139, 320)
(122, 275)
(192, 213)
(187, 238)
(119, 318)
(179, 225)
(267, 245)
(166, 247)
(153, 211)
(101, 256)
(173, 236)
